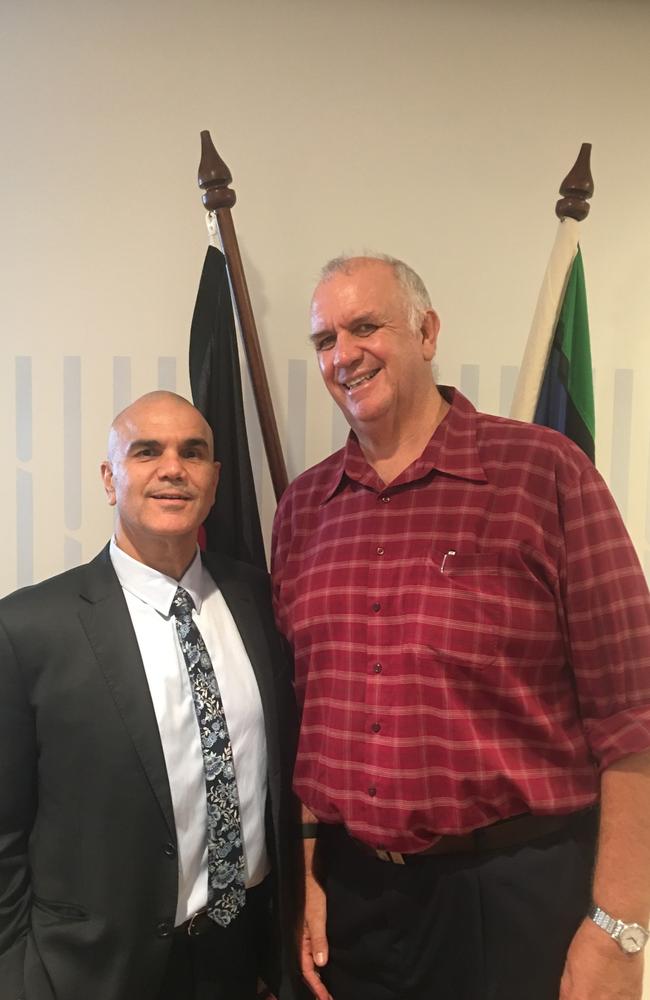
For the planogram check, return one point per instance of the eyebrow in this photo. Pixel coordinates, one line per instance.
(316, 334)
(367, 317)
(197, 442)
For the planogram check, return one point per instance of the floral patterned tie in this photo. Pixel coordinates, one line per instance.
(226, 889)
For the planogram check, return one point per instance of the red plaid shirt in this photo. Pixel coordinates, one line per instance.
(471, 642)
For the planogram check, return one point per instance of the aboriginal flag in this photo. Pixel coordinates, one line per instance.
(233, 525)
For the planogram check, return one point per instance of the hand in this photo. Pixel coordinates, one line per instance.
(597, 969)
(313, 949)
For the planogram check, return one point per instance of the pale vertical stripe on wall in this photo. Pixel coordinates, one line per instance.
(24, 480)
(469, 381)
(24, 528)
(621, 434)
(121, 383)
(507, 383)
(71, 552)
(340, 428)
(24, 409)
(72, 443)
(296, 417)
(167, 374)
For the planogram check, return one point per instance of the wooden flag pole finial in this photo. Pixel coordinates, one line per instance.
(576, 188)
(218, 197)
(214, 177)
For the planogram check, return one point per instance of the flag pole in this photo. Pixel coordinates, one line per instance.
(218, 197)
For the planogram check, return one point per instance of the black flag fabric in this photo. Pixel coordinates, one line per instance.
(233, 525)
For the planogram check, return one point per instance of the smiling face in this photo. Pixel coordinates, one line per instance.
(161, 477)
(375, 361)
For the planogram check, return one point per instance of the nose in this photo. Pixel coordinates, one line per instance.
(347, 350)
(171, 465)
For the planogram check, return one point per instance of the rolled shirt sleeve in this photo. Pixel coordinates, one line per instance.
(606, 611)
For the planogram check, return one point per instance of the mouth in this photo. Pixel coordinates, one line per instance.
(170, 497)
(359, 380)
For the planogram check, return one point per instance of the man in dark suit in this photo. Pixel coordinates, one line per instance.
(146, 744)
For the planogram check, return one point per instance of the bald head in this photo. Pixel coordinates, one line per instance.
(159, 401)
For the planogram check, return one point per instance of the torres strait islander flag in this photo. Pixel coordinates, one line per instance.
(555, 385)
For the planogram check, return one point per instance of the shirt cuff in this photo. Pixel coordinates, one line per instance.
(621, 734)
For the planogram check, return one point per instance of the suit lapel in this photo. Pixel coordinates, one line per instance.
(105, 618)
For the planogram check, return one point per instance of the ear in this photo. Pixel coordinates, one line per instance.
(107, 478)
(429, 329)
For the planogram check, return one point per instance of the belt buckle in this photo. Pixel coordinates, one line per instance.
(393, 856)
(190, 927)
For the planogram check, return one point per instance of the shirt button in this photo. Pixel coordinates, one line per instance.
(377, 669)
(164, 929)
(376, 606)
(380, 550)
(385, 499)
(372, 791)
(170, 850)
(375, 727)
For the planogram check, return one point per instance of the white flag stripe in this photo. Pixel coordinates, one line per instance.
(540, 338)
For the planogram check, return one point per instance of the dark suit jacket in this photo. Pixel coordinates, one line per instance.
(88, 869)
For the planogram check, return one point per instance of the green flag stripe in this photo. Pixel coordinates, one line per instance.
(572, 337)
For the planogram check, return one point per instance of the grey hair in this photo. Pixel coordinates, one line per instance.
(410, 282)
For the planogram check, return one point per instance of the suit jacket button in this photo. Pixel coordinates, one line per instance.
(170, 850)
(164, 929)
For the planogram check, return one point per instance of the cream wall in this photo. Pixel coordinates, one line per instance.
(437, 131)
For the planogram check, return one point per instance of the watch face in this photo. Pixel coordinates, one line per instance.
(632, 938)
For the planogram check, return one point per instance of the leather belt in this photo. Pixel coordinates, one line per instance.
(499, 836)
(199, 924)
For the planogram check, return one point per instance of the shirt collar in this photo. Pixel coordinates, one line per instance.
(451, 450)
(154, 588)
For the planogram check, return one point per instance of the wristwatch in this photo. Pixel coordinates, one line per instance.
(629, 937)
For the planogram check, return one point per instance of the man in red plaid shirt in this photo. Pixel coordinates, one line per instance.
(471, 630)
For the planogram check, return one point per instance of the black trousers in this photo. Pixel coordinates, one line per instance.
(223, 963)
(493, 926)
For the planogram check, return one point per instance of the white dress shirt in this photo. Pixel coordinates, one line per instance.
(149, 595)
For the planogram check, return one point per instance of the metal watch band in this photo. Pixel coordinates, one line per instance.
(602, 919)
